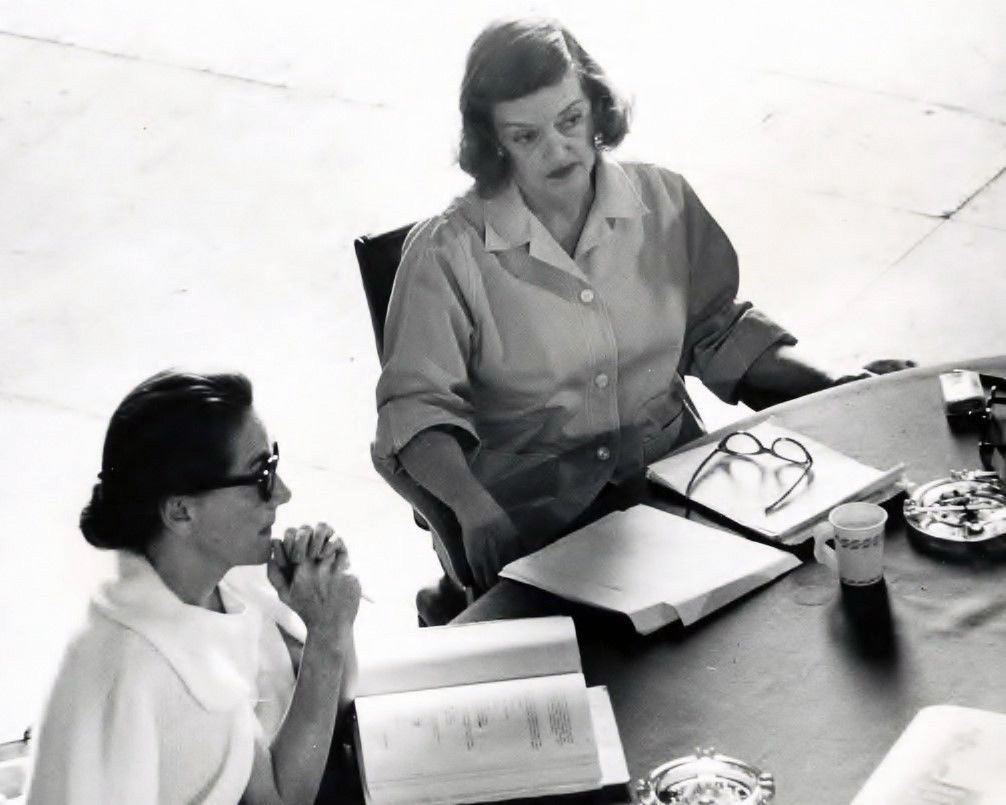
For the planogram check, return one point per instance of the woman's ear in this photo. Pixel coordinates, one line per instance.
(176, 514)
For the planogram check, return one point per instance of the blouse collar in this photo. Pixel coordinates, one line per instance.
(510, 223)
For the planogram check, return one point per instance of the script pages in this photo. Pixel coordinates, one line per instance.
(740, 487)
(652, 566)
(947, 754)
(482, 712)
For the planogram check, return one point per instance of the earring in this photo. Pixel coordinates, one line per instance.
(598, 140)
(500, 152)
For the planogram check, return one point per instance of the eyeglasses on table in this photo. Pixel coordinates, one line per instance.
(745, 444)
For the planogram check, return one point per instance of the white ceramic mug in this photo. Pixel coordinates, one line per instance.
(858, 555)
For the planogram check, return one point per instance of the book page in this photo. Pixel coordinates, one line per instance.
(490, 741)
(441, 656)
(947, 754)
(651, 565)
(611, 754)
(740, 487)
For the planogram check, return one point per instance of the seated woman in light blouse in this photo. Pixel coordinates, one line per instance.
(540, 327)
(184, 686)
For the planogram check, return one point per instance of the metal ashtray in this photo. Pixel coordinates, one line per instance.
(963, 515)
(705, 778)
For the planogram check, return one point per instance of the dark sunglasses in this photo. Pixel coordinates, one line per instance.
(264, 479)
(742, 443)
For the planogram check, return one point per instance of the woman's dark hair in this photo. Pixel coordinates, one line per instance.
(172, 434)
(511, 59)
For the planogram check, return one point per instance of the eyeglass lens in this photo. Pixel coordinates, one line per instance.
(790, 450)
(743, 443)
(267, 480)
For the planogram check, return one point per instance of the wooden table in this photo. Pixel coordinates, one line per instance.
(799, 678)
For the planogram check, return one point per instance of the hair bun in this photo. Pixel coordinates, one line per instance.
(171, 432)
(94, 520)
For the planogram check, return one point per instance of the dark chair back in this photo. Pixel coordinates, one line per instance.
(378, 256)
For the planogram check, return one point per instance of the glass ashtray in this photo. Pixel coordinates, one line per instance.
(705, 778)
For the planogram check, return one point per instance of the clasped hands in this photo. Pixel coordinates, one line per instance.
(309, 568)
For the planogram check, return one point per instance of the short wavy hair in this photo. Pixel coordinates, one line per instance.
(511, 59)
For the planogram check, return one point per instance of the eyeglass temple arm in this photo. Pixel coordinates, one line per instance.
(694, 478)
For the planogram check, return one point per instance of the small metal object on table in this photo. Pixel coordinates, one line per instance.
(963, 515)
(705, 778)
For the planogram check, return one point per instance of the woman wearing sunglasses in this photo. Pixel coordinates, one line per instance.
(183, 687)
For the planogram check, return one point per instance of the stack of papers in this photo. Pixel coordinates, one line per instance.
(947, 754)
(739, 488)
(652, 566)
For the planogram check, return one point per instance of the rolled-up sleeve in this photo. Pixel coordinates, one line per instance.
(424, 380)
(724, 335)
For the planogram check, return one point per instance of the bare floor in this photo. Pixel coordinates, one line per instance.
(182, 183)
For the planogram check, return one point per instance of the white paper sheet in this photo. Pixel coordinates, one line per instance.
(651, 565)
(614, 769)
(947, 754)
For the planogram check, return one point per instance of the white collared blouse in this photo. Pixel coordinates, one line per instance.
(565, 372)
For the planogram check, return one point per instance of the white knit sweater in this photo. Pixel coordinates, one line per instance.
(157, 701)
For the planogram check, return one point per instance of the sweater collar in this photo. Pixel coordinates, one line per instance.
(214, 654)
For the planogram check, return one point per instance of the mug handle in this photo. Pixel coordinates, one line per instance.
(823, 553)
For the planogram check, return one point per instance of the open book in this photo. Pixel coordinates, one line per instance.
(482, 712)
(739, 488)
(653, 566)
(947, 754)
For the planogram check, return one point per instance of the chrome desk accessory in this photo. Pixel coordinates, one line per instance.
(963, 515)
(705, 778)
